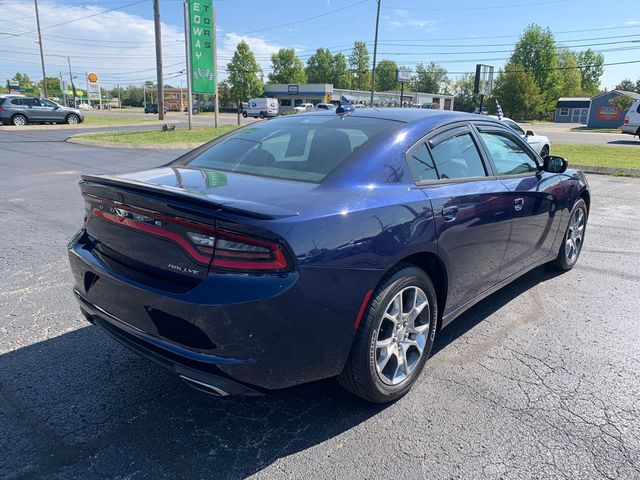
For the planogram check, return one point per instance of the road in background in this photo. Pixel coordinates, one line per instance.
(563, 133)
(541, 380)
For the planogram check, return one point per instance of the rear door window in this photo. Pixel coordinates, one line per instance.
(458, 157)
(16, 101)
(422, 164)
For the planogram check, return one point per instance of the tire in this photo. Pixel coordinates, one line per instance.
(545, 151)
(19, 120)
(371, 369)
(73, 119)
(244, 114)
(261, 115)
(572, 241)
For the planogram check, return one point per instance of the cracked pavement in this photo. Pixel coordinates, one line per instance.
(540, 380)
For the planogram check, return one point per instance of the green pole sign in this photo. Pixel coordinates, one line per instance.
(202, 46)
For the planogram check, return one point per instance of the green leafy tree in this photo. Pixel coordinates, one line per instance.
(464, 99)
(287, 67)
(518, 93)
(23, 79)
(537, 54)
(320, 67)
(3, 89)
(386, 75)
(623, 102)
(571, 80)
(359, 65)
(341, 74)
(53, 83)
(431, 78)
(638, 86)
(132, 96)
(244, 73)
(626, 85)
(225, 93)
(591, 66)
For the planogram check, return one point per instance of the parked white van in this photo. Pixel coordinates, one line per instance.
(631, 123)
(262, 107)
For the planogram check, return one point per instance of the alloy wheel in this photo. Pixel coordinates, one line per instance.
(575, 234)
(19, 121)
(402, 335)
(72, 120)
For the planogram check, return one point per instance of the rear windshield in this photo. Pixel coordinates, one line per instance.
(293, 148)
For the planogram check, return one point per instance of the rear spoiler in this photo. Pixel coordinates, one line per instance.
(118, 188)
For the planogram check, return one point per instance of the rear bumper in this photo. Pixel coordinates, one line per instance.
(630, 129)
(255, 331)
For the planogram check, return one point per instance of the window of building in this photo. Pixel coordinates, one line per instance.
(564, 112)
(285, 102)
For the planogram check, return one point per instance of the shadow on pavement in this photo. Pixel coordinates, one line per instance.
(80, 403)
(489, 305)
(624, 142)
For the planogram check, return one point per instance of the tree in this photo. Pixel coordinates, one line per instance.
(430, 78)
(626, 85)
(23, 79)
(386, 75)
(341, 74)
(518, 93)
(132, 96)
(570, 78)
(243, 74)
(53, 83)
(320, 67)
(536, 53)
(591, 66)
(359, 64)
(225, 93)
(464, 100)
(623, 102)
(287, 67)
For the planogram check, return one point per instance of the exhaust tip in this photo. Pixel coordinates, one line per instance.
(204, 387)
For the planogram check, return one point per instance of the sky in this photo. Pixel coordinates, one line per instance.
(116, 37)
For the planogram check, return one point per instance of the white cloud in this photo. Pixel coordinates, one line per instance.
(402, 19)
(260, 48)
(632, 22)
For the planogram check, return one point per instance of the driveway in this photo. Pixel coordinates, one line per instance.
(541, 380)
(562, 133)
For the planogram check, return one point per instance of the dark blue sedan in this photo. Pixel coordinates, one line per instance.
(320, 245)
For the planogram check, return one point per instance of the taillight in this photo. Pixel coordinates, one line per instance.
(626, 120)
(240, 253)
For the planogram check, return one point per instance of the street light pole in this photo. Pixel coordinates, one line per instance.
(375, 51)
(73, 87)
(44, 75)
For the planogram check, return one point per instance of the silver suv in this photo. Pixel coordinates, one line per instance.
(20, 110)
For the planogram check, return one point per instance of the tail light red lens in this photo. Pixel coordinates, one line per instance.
(626, 120)
(239, 253)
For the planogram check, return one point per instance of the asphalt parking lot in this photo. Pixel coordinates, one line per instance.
(540, 380)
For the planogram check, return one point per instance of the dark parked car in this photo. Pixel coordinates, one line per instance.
(320, 245)
(151, 108)
(20, 110)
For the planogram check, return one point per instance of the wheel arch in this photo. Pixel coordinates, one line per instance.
(435, 268)
(586, 196)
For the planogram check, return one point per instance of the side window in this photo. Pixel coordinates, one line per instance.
(35, 102)
(16, 101)
(638, 109)
(458, 157)
(422, 164)
(515, 126)
(509, 157)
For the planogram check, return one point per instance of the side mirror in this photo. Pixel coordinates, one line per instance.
(555, 164)
(529, 133)
(345, 109)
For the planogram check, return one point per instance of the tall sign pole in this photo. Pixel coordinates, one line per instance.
(158, 32)
(215, 71)
(187, 47)
(44, 75)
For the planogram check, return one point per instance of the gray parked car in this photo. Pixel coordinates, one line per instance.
(20, 110)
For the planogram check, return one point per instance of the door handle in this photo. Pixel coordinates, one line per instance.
(450, 213)
(518, 203)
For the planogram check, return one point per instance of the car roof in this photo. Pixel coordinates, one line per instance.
(434, 118)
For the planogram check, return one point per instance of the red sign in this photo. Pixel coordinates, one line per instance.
(608, 113)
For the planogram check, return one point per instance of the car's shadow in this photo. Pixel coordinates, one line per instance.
(80, 401)
(624, 142)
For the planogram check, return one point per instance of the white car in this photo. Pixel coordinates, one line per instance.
(539, 143)
(304, 107)
(325, 106)
(85, 106)
(631, 123)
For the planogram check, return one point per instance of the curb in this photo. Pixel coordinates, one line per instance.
(157, 146)
(616, 172)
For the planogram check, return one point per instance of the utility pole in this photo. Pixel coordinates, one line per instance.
(375, 51)
(44, 75)
(158, 32)
(73, 87)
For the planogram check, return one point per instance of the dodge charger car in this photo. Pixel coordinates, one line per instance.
(327, 244)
